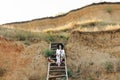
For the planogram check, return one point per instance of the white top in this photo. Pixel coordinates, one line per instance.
(60, 52)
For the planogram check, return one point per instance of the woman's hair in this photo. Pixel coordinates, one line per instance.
(62, 46)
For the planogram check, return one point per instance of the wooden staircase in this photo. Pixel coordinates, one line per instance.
(55, 72)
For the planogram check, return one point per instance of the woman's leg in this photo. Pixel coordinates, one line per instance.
(58, 64)
(58, 61)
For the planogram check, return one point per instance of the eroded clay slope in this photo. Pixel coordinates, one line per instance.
(20, 62)
(94, 55)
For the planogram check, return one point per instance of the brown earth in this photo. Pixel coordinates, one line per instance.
(105, 12)
(9, 53)
(88, 55)
(21, 62)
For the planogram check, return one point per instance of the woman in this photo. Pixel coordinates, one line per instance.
(60, 54)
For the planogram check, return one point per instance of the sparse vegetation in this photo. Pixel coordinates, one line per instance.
(2, 71)
(90, 78)
(24, 35)
(64, 37)
(69, 71)
(109, 9)
(27, 42)
(21, 36)
(28, 37)
(108, 66)
(34, 77)
(91, 63)
(50, 37)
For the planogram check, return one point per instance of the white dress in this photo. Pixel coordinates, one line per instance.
(59, 54)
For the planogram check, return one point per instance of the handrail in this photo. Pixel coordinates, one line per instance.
(66, 69)
(48, 71)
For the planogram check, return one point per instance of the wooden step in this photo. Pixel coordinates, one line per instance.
(58, 76)
(53, 48)
(54, 67)
(54, 45)
(54, 64)
(57, 73)
(57, 70)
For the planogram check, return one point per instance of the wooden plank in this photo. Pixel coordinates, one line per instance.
(66, 69)
(57, 67)
(58, 76)
(55, 45)
(57, 73)
(57, 70)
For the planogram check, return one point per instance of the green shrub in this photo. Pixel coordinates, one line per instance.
(109, 9)
(24, 35)
(90, 78)
(64, 37)
(69, 72)
(64, 78)
(21, 36)
(108, 66)
(49, 36)
(91, 63)
(34, 77)
(48, 52)
(2, 71)
(27, 42)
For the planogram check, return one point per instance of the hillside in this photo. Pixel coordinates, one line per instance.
(94, 55)
(101, 12)
(92, 42)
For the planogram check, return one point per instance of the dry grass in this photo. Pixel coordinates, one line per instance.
(33, 37)
(98, 28)
(70, 26)
(93, 25)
